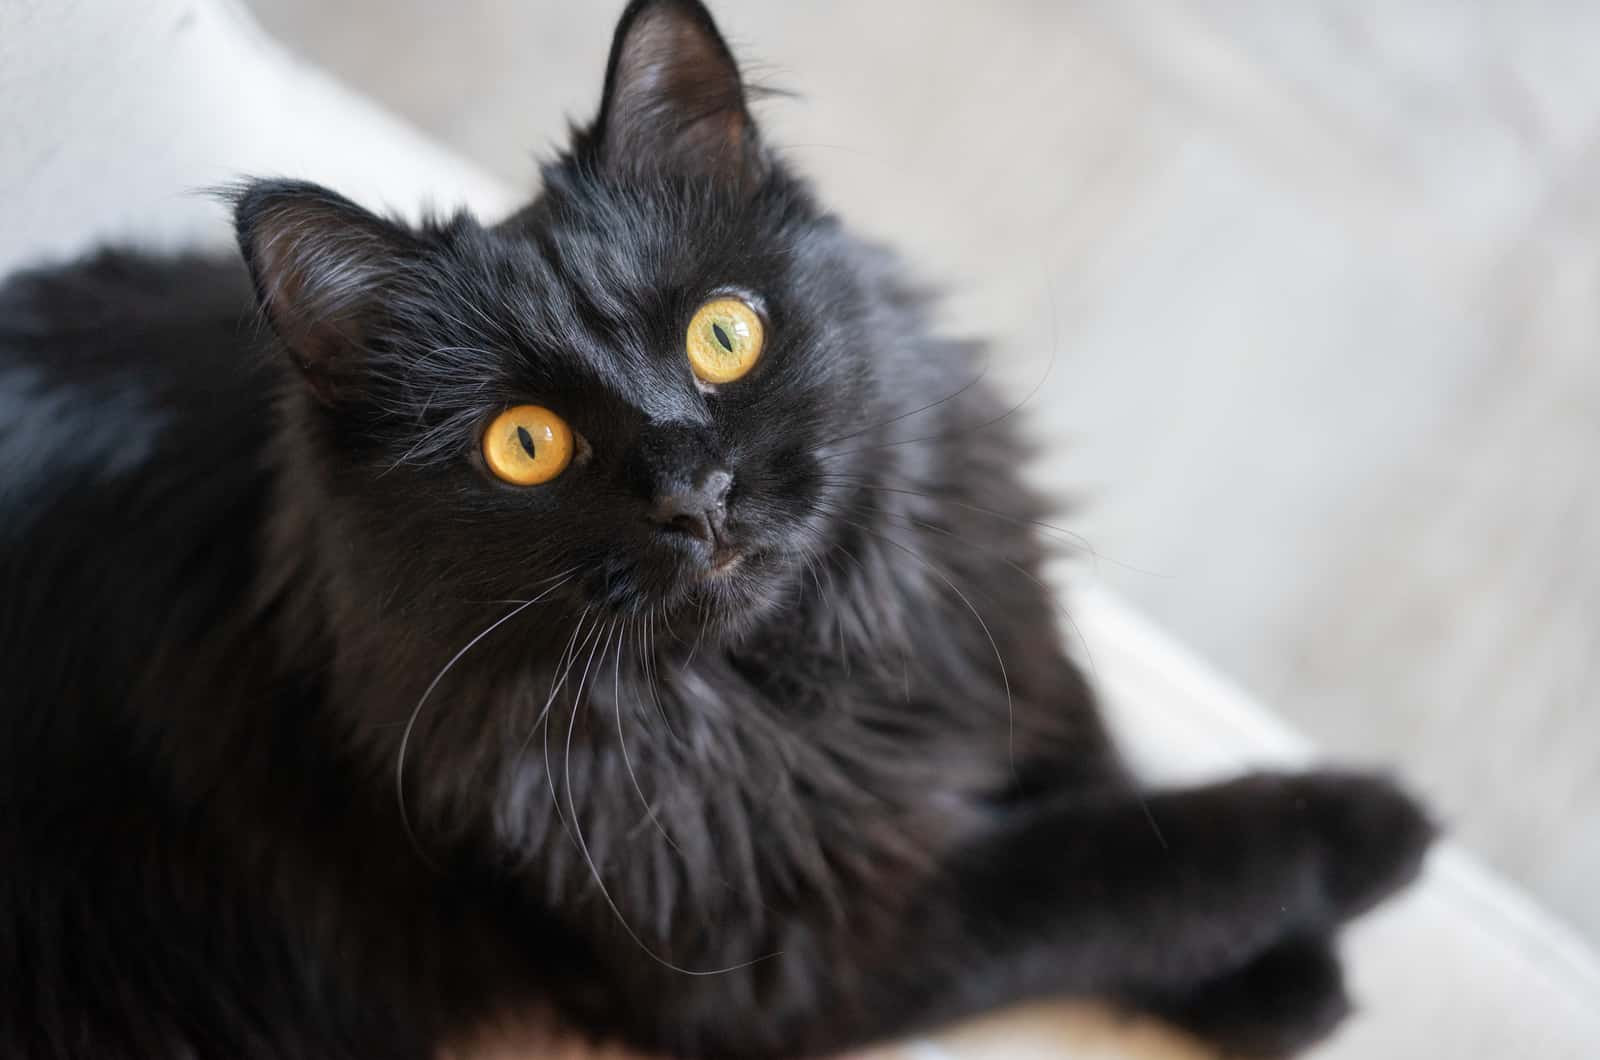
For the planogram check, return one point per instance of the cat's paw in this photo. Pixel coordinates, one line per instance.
(1371, 836)
(1283, 1001)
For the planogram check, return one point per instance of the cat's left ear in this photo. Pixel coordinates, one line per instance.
(674, 101)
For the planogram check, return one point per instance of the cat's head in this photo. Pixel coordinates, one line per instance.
(645, 392)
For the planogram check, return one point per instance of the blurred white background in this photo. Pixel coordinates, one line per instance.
(1313, 289)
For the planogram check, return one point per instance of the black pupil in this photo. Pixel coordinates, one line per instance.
(527, 442)
(722, 337)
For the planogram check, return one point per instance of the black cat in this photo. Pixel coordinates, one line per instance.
(626, 616)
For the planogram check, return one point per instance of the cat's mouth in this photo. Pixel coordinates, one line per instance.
(724, 560)
(688, 574)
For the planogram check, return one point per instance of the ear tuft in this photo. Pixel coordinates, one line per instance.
(674, 101)
(321, 267)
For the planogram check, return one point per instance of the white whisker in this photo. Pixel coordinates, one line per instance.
(405, 737)
(600, 883)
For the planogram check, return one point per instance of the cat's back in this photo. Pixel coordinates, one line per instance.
(133, 411)
(111, 365)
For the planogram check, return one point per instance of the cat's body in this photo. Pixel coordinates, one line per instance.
(318, 741)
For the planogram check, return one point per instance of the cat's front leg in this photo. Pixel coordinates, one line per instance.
(1187, 903)
(1184, 902)
(1282, 1001)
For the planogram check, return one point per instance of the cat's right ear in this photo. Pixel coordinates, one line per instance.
(323, 268)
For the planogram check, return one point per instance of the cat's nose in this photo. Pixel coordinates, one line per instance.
(699, 511)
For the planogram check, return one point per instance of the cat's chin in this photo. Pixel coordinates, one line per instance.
(724, 595)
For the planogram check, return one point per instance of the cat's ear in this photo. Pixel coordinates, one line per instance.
(674, 101)
(323, 270)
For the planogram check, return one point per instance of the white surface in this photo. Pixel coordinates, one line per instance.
(109, 112)
(116, 117)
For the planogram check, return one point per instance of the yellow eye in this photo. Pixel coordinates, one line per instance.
(527, 445)
(725, 339)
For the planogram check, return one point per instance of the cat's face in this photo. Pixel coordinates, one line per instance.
(643, 393)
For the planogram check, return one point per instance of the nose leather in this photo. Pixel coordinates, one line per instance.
(699, 510)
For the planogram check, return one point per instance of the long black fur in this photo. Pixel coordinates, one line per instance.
(316, 740)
